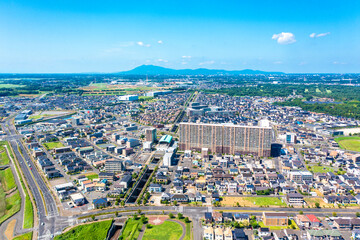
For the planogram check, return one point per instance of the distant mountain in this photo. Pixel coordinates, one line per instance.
(156, 70)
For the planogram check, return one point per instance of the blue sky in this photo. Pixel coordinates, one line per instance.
(64, 36)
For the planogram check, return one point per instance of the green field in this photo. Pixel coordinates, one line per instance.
(2, 202)
(321, 169)
(266, 201)
(4, 159)
(93, 231)
(28, 213)
(167, 230)
(13, 204)
(52, 145)
(11, 85)
(349, 143)
(26, 236)
(7, 179)
(92, 176)
(132, 229)
(188, 230)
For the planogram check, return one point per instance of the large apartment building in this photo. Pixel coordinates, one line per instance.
(150, 134)
(226, 138)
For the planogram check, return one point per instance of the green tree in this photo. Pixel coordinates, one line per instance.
(180, 216)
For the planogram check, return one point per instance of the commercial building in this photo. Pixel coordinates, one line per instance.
(157, 93)
(129, 98)
(226, 138)
(166, 139)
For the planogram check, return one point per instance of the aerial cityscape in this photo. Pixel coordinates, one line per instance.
(181, 121)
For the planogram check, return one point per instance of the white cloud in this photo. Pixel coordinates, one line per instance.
(278, 62)
(183, 63)
(314, 35)
(207, 63)
(160, 42)
(186, 57)
(339, 63)
(284, 38)
(142, 44)
(162, 60)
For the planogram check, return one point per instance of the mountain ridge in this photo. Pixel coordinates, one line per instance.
(158, 70)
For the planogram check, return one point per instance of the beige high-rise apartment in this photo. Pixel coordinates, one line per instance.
(226, 138)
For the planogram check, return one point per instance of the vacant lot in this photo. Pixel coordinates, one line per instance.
(349, 143)
(93, 231)
(92, 176)
(52, 145)
(167, 230)
(253, 201)
(321, 169)
(312, 201)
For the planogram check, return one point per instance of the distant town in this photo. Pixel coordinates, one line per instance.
(215, 157)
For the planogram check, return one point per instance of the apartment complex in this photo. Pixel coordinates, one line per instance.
(275, 219)
(150, 134)
(114, 166)
(226, 138)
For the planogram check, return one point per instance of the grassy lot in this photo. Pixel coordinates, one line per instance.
(188, 230)
(7, 179)
(93, 231)
(11, 85)
(132, 229)
(2, 202)
(167, 230)
(92, 176)
(321, 169)
(28, 213)
(52, 145)
(4, 158)
(13, 204)
(253, 201)
(349, 143)
(280, 227)
(26, 236)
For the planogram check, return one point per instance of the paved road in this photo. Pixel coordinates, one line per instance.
(19, 216)
(47, 210)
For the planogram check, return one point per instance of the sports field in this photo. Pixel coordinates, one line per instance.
(349, 143)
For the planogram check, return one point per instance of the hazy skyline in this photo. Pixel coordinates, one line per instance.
(109, 36)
